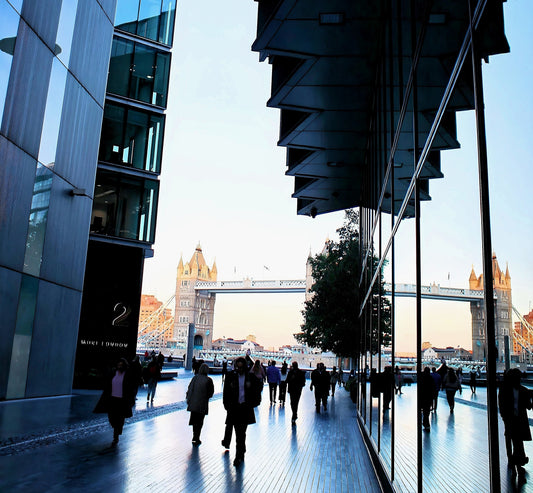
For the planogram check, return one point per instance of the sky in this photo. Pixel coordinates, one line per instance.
(223, 184)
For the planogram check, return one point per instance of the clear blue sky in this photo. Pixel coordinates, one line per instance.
(223, 183)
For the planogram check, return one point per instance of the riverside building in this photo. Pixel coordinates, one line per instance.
(77, 199)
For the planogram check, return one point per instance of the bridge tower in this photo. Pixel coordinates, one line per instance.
(502, 312)
(193, 306)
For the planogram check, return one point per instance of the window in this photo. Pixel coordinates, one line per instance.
(124, 207)
(183, 320)
(131, 138)
(138, 72)
(184, 302)
(184, 283)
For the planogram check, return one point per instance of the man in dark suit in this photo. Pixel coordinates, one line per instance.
(241, 394)
(320, 380)
(295, 384)
(514, 400)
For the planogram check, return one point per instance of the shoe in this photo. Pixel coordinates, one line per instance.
(114, 442)
(238, 461)
(224, 444)
(196, 442)
(293, 421)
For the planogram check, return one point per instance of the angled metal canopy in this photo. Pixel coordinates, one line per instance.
(327, 60)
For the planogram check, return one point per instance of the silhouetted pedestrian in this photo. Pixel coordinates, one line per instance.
(451, 385)
(118, 398)
(152, 375)
(438, 383)
(320, 381)
(274, 378)
(258, 370)
(283, 383)
(224, 368)
(514, 401)
(333, 380)
(427, 394)
(200, 390)
(398, 380)
(241, 394)
(473, 381)
(386, 386)
(295, 384)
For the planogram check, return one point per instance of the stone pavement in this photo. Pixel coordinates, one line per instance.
(323, 452)
(57, 444)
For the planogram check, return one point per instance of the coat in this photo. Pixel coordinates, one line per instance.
(515, 426)
(200, 390)
(320, 381)
(295, 381)
(241, 413)
(129, 387)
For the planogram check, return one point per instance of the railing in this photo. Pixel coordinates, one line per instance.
(250, 285)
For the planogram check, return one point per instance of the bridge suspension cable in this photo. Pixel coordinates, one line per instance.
(145, 334)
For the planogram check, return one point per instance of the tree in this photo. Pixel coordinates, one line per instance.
(331, 316)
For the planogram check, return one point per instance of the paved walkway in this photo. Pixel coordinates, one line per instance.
(56, 445)
(323, 453)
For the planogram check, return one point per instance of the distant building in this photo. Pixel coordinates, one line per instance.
(193, 306)
(237, 345)
(156, 324)
(448, 353)
(502, 312)
(523, 334)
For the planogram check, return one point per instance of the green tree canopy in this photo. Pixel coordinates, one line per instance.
(331, 316)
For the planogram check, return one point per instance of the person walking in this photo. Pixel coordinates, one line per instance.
(283, 383)
(295, 384)
(398, 380)
(333, 380)
(451, 385)
(118, 398)
(514, 400)
(241, 394)
(224, 368)
(199, 391)
(152, 375)
(386, 383)
(438, 383)
(258, 370)
(273, 378)
(473, 380)
(427, 394)
(320, 382)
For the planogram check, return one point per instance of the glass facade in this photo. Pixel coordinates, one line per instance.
(125, 207)
(138, 72)
(52, 82)
(131, 137)
(151, 19)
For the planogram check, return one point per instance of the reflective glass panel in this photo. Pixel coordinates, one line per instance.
(8, 32)
(126, 15)
(142, 75)
(166, 26)
(37, 220)
(148, 25)
(120, 67)
(124, 207)
(52, 115)
(65, 30)
(104, 207)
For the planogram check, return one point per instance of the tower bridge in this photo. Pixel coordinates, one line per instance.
(433, 291)
(197, 288)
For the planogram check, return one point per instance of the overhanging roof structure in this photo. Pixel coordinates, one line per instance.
(340, 70)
